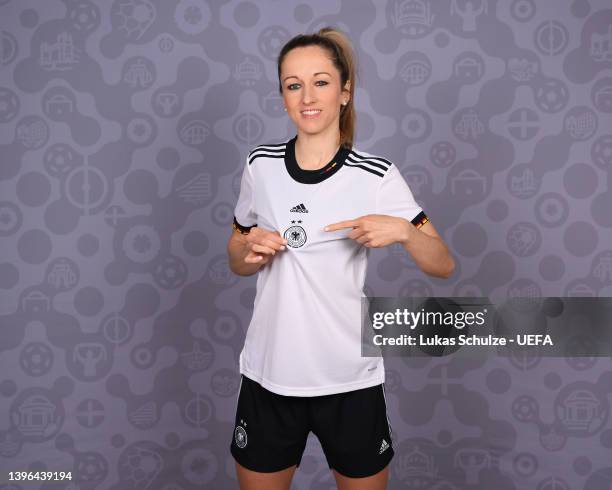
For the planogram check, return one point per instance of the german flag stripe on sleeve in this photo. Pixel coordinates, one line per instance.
(241, 229)
(420, 219)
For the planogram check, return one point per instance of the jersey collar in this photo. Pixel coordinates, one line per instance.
(313, 176)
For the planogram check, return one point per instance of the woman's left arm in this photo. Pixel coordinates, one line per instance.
(427, 249)
(424, 244)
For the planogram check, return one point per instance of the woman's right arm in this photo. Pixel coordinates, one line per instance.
(249, 252)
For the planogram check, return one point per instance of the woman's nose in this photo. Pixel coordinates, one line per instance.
(307, 95)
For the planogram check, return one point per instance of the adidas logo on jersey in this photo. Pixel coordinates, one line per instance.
(300, 208)
(383, 446)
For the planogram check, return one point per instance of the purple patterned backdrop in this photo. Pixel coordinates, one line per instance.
(124, 125)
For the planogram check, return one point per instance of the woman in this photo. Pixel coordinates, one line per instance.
(308, 211)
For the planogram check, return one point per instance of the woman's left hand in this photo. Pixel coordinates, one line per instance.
(375, 230)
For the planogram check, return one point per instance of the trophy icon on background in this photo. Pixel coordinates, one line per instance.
(471, 461)
(89, 355)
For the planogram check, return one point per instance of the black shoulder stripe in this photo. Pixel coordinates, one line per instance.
(420, 219)
(371, 158)
(267, 154)
(367, 169)
(272, 145)
(278, 147)
(273, 151)
(369, 162)
(267, 150)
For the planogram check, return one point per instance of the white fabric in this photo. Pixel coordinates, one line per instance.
(304, 338)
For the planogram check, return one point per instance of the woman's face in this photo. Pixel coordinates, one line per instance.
(311, 81)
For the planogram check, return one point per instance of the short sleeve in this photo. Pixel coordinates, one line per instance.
(394, 198)
(245, 216)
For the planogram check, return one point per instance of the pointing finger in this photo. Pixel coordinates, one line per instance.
(351, 223)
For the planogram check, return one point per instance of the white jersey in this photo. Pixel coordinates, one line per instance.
(304, 338)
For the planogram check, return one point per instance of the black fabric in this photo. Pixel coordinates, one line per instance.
(313, 176)
(273, 429)
(420, 219)
(241, 228)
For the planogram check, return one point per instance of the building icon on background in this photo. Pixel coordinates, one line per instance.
(60, 55)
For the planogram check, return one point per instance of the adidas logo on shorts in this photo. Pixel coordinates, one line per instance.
(300, 208)
(384, 446)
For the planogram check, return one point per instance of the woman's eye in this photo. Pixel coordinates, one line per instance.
(323, 82)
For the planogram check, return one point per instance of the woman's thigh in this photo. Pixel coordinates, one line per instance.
(254, 480)
(375, 482)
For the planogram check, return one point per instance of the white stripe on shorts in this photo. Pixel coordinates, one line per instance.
(390, 430)
(238, 395)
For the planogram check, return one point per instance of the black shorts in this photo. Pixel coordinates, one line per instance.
(271, 430)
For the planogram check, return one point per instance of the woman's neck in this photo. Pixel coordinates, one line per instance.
(315, 151)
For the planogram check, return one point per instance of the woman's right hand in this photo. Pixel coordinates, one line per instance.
(263, 245)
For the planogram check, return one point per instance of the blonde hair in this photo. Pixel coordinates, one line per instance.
(342, 55)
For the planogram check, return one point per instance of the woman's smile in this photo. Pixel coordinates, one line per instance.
(311, 113)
